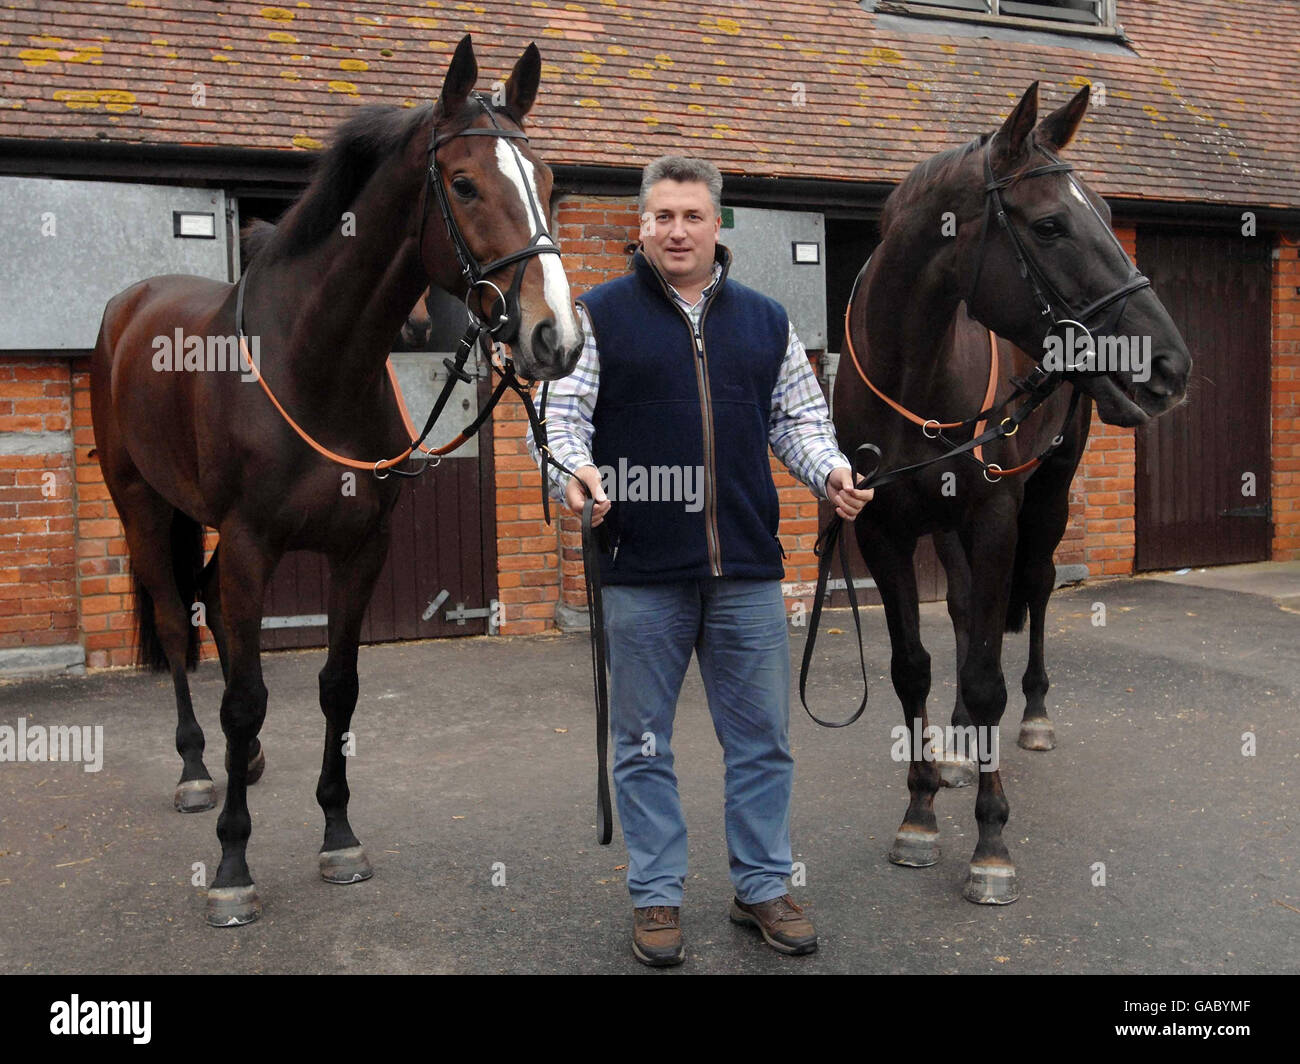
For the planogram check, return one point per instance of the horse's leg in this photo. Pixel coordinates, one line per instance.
(957, 761)
(1042, 524)
(990, 542)
(916, 844)
(352, 579)
(149, 522)
(246, 565)
(210, 592)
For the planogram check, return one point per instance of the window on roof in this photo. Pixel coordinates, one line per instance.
(1070, 16)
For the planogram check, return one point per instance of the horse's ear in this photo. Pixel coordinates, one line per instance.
(1014, 134)
(521, 89)
(1058, 128)
(461, 77)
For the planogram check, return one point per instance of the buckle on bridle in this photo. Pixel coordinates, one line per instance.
(1034, 381)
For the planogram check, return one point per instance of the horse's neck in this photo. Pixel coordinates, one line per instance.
(928, 355)
(342, 303)
(911, 331)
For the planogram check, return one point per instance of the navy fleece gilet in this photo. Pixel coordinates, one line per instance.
(675, 407)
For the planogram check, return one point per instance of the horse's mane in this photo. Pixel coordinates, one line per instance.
(921, 181)
(360, 145)
(253, 238)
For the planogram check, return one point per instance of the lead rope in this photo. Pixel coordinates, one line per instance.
(595, 610)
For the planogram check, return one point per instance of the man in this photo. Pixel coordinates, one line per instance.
(685, 379)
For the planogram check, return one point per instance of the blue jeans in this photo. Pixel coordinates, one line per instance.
(737, 629)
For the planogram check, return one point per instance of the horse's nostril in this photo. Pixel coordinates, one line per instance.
(1167, 376)
(544, 341)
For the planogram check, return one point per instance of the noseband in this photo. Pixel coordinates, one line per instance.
(476, 274)
(1045, 293)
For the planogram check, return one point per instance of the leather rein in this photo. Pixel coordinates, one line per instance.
(1036, 387)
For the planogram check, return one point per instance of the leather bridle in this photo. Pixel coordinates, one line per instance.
(1045, 293)
(506, 326)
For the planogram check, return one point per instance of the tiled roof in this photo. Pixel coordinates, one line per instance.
(1207, 109)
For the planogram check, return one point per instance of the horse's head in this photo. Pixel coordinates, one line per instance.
(1043, 268)
(497, 248)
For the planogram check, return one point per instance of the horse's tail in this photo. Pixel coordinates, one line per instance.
(187, 564)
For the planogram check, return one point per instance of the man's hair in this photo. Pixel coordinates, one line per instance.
(679, 168)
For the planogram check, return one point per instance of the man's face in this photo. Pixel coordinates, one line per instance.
(679, 230)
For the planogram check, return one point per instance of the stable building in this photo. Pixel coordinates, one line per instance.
(135, 140)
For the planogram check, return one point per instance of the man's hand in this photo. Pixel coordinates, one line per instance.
(576, 498)
(847, 500)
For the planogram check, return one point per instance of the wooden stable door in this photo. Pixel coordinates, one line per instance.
(1197, 465)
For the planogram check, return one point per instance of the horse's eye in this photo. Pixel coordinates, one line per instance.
(1048, 228)
(464, 188)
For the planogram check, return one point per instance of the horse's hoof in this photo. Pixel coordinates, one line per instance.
(255, 767)
(232, 906)
(1037, 734)
(914, 848)
(194, 796)
(350, 865)
(991, 884)
(956, 771)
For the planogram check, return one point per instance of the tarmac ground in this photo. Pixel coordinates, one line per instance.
(1177, 769)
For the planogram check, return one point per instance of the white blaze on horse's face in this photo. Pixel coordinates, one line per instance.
(555, 285)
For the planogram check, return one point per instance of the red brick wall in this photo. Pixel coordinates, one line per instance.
(1286, 400)
(38, 580)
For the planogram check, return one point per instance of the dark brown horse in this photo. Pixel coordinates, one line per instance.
(993, 235)
(199, 444)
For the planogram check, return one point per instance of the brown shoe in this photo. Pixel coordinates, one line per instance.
(784, 926)
(657, 936)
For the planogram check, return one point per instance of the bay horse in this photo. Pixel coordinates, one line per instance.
(992, 248)
(324, 299)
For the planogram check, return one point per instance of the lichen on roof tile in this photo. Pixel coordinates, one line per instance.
(1173, 59)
